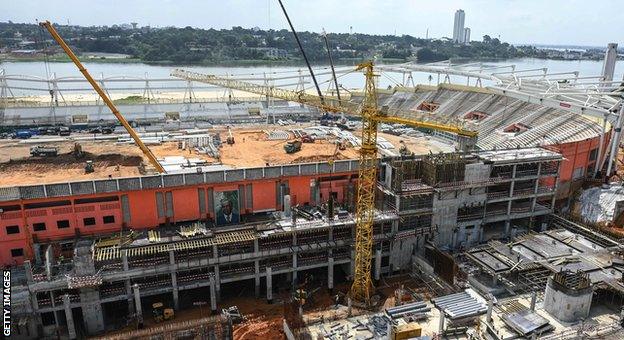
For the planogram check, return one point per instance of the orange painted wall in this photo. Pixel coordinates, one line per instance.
(143, 211)
(264, 195)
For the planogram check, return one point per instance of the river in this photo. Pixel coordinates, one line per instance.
(352, 80)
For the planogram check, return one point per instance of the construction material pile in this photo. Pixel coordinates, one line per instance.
(597, 205)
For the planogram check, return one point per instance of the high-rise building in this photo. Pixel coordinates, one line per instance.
(458, 26)
(466, 39)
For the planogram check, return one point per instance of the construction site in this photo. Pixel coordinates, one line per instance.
(468, 209)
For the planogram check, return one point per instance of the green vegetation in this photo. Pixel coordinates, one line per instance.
(245, 46)
(130, 100)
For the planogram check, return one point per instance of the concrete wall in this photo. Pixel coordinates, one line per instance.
(567, 307)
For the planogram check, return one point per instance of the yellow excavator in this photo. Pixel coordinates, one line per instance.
(160, 313)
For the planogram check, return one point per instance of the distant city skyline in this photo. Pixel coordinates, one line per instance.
(555, 22)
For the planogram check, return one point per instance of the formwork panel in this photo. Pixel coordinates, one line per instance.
(106, 186)
(341, 166)
(214, 177)
(34, 191)
(290, 170)
(173, 180)
(57, 190)
(194, 178)
(272, 172)
(234, 175)
(255, 173)
(308, 169)
(324, 168)
(9, 194)
(126, 184)
(82, 188)
(152, 182)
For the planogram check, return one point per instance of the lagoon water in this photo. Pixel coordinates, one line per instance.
(352, 80)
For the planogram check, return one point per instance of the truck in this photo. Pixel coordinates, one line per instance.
(292, 146)
(43, 151)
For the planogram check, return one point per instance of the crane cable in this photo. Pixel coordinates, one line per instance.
(46, 62)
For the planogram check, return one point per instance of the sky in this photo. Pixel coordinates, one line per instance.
(556, 22)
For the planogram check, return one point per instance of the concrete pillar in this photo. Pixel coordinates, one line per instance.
(49, 260)
(92, 312)
(349, 306)
(488, 317)
(217, 282)
(330, 273)
(71, 329)
(608, 66)
(28, 271)
(124, 261)
(269, 285)
(174, 280)
(213, 294)
(377, 264)
(441, 323)
(257, 277)
(294, 269)
(507, 228)
(137, 305)
(533, 300)
(287, 206)
(352, 264)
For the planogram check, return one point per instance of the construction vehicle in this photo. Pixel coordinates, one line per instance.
(233, 314)
(160, 313)
(78, 151)
(230, 137)
(89, 167)
(146, 151)
(371, 116)
(293, 146)
(307, 139)
(44, 151)
(64, 131)
(404, 151)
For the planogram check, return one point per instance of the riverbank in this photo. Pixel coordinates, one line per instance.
(60, 58)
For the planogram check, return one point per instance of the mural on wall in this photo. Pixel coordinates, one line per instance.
(226, 207)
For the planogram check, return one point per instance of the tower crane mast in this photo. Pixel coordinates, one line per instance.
(371, 116)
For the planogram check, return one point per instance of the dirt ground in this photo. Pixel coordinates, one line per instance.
(112, 160)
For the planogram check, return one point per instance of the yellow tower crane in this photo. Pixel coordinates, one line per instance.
(146, 151)
(371, 115)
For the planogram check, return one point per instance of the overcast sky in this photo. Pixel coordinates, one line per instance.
(571, 22)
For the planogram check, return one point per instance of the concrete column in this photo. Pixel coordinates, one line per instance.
(92, 312)
(287, 206)
(330, 273)
(124, 261)
(294, 269)
(28, 270)
(488, 317)
(174, 280)
(533, 300)
(352, 264)
(377, 264)
(257, 277)
(49, 260)
(269, 284)
(507, 228)
(213, 294)
(217, 282)
(71, 329)
(137, 305)
(441, 323)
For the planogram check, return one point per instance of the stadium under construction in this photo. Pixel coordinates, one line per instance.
(466, 239)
